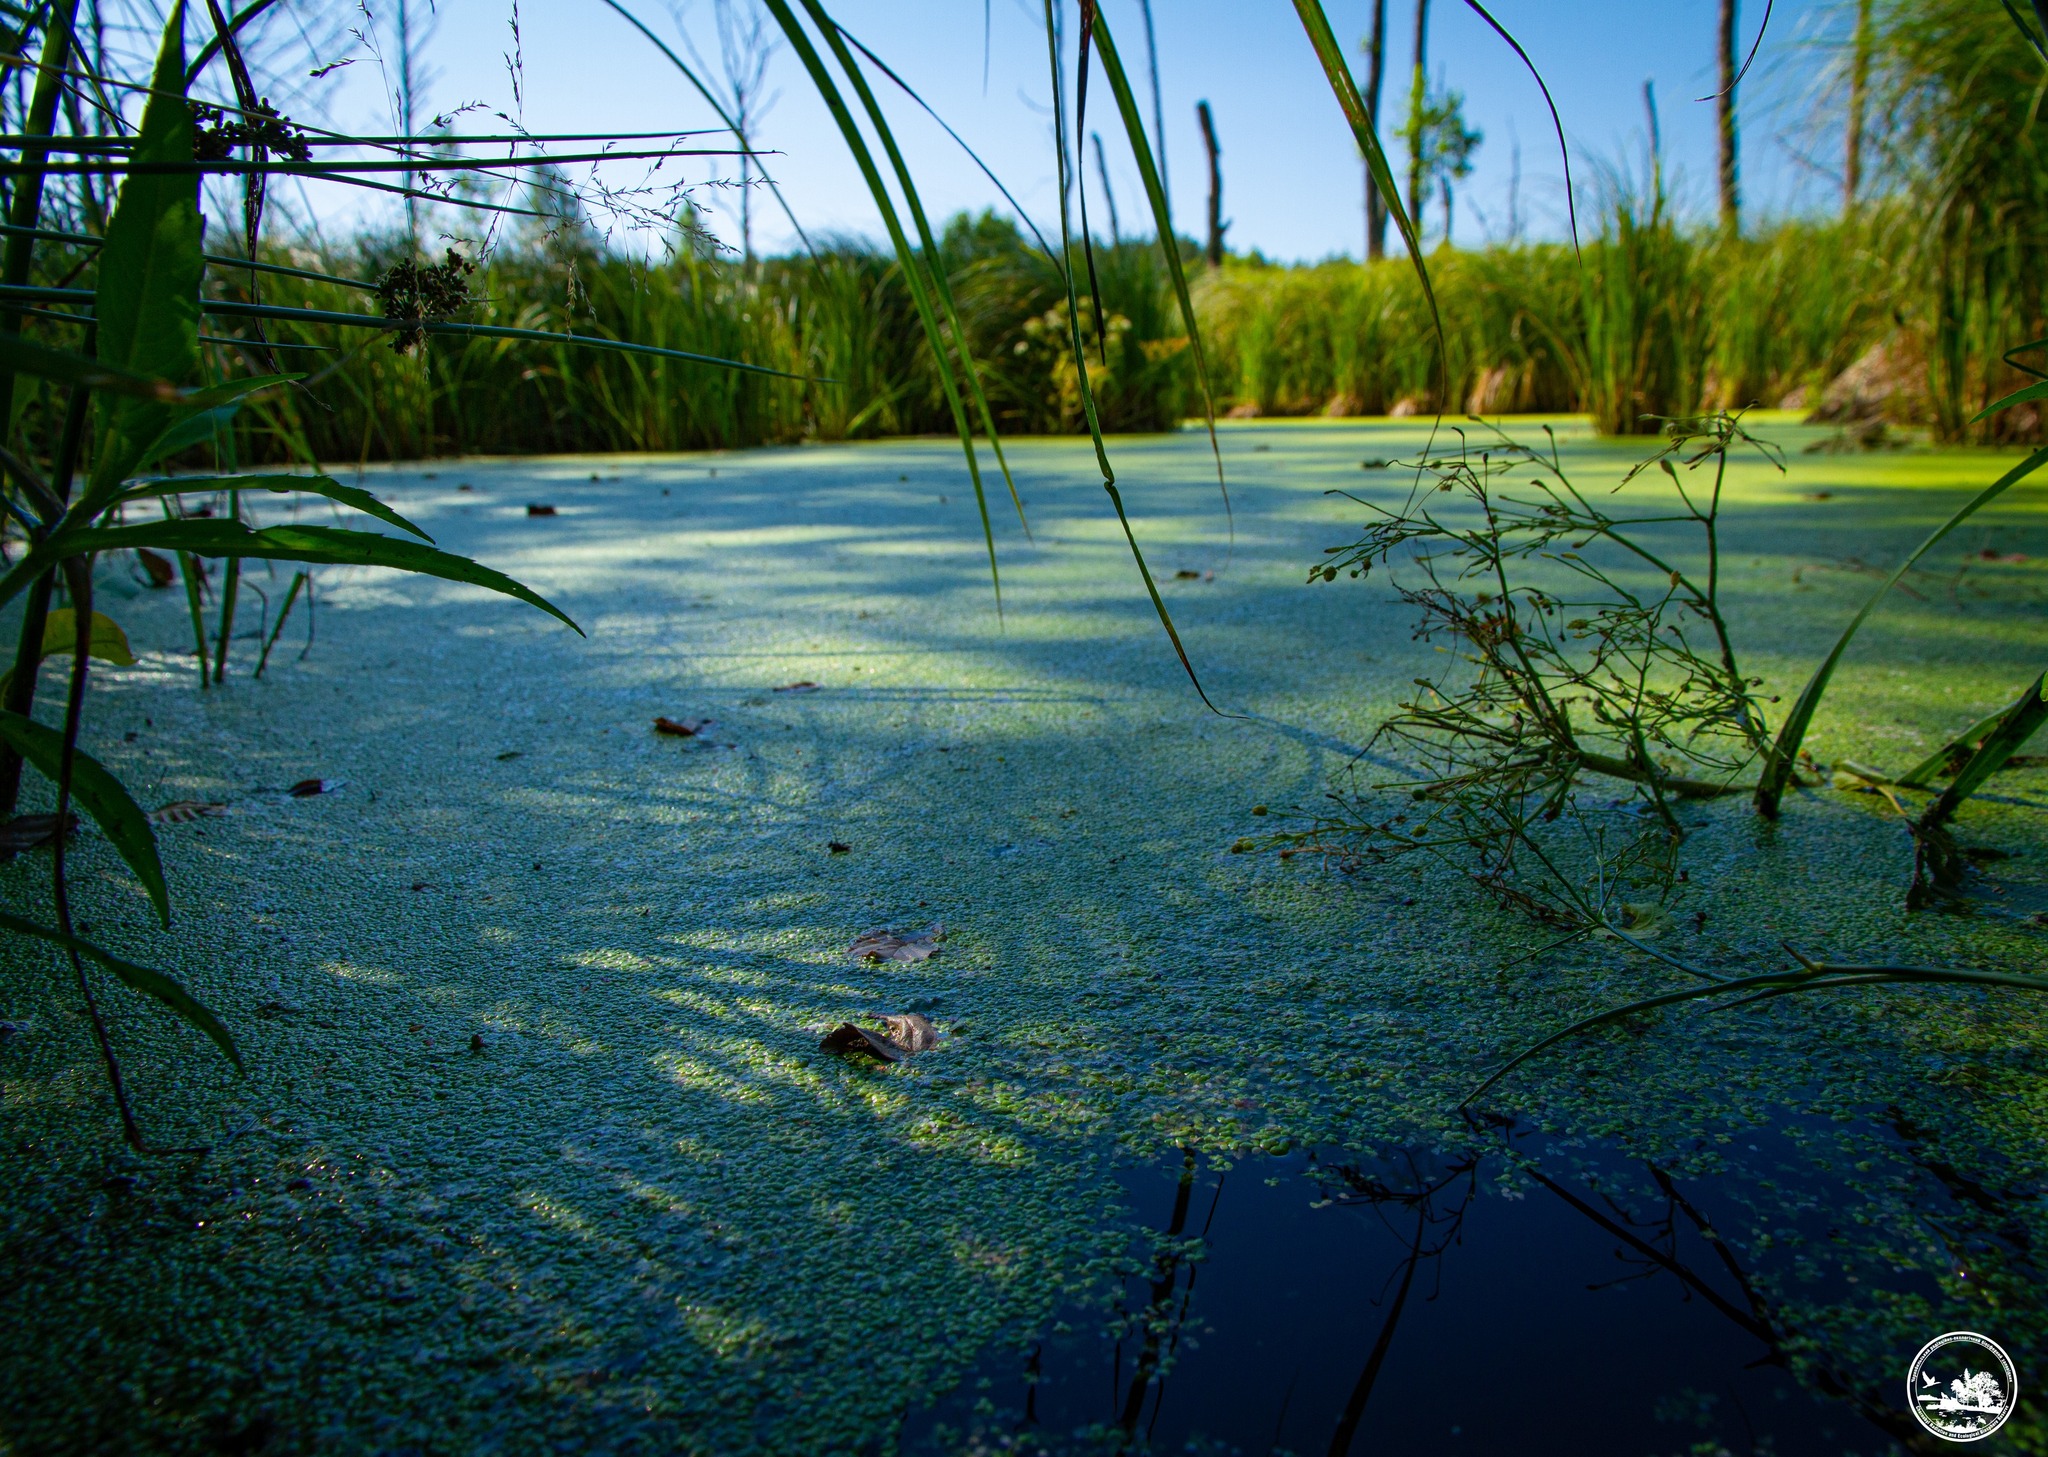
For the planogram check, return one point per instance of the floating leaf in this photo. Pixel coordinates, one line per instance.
(686, 728)
(838, 847)
(159, 569)
(99, 794)
(901, 1036)
(883, 944)
(28, 832)
(307, 788)
(801, 686)
(540, 511)
(184, 811)
(109, 643)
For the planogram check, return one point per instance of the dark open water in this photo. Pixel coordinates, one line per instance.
(1409, 1303)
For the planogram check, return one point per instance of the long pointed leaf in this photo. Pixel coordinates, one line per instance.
(321, 544)
(102, 796)
(914, 273)
(25, 356)
(1338, 72)
(141, 978)
(1784, 753)
(351, 496)
(147, 302)
(1162, 218)
(941, 284)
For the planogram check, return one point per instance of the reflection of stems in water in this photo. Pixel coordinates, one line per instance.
(1374, 1192)
(1166, 1266)
(1757, 1320)
(1354, 1409)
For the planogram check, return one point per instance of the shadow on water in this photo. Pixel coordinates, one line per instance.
(1519, 1293)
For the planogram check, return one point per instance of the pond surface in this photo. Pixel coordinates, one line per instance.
(1521, 1294)
(538, 1150)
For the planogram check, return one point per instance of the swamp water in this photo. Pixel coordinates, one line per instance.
(1519, 1293)
(650, 1216)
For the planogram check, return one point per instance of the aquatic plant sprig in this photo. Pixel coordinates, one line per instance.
(1580, 649)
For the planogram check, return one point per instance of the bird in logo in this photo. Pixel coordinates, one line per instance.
(1929, 1379)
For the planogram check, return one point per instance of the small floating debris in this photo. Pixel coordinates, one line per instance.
(682, 728)
(184, 811)
(540, 510)
(886, 944)
(902, 1036)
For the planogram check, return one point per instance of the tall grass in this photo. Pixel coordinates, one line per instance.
(1660, 321)
(843, 319)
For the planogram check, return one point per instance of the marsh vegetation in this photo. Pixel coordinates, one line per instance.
(861, 892)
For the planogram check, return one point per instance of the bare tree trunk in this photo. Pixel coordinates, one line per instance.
(1158, 106)
(1859, 92)
(1216, 223)
(1375, 78)
(1731, 188)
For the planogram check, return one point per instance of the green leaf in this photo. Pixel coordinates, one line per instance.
(321, 544)
(1162, 219)
(197, 427)
(101, 795)
(333, 490)
(916, 269)
(25, 356)
(1778, 761)
(141, 978)
(2037, 391)
(147, 299)
(2014, 727)
(109, 643)
(1338, 72)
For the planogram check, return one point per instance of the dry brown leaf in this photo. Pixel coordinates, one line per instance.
(685, 728)
(883, 944)
(26, 832)
(184, 811)
(901, 1036)
(159, 569)
(307, 788)
(803, 686)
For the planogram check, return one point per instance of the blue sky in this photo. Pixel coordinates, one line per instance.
(1292, 183)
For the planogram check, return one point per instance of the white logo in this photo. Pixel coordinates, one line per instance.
(1961, 1386)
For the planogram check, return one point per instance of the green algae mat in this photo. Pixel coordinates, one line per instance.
(538, 1150)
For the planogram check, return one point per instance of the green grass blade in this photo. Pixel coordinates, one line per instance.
(1951, 756)
(331, 545)
(914, 271)
(147, 301)
(237, 309)
(1784, 752)
(2014, 727)
(1162, 219)
(352, 496)
(1079, 346)
(942, 286)
(101, 795)
(140, 978)
(2038, 391)
(1338, 73)
(1564, 151)
(973, 156)
(718, 107)
(25, 356)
